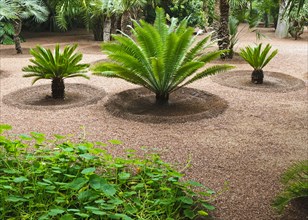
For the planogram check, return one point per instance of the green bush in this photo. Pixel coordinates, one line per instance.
(56, 66)
(258, 58)
(57, 179)
(295, 181)
(160, 57)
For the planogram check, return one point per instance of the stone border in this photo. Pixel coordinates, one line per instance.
(273, 81)
(186, 104)
(38, 97)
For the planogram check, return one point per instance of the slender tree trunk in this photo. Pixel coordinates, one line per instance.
(107, 29)
(97, 28)
(114, 24)
(57, 88)
(283, 21)
(257, 77)
(162, 99)
(223, 32)
(216, 18)
(17, 29)
(126, 22)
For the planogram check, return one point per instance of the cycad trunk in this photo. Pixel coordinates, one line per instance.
(17, 29)
(257, 77)
(57, 88)
(162, 98)
(223, 32)
(107, 29)
(126, 22)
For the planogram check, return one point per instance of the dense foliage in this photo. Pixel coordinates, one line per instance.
(159, 57)
(58, 179)
(56, 66)
(258, 58)
(295, 181)
(14, 12)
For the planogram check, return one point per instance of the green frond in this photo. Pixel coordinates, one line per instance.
(210, 71)
(257, 57)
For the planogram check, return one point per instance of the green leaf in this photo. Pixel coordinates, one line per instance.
(4, 127)
(55, 212)
(115, 142)
(20, 179)
(186, 200)
(189, 214)
(77, 183)
(208, 206)
(88, 171)
(124, 176)
(67, 217)
(97, 182)
(108, 189)
(15, 199)
(203, 213)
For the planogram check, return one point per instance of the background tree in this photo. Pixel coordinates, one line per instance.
(16, 11)
(223, 31)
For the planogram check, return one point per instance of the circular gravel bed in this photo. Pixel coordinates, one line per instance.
(273, 81)
(185, 104)
(38, 97)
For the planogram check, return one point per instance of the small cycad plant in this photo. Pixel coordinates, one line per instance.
(258, 58)
(159, 57)
(56, 66)
(295, 180)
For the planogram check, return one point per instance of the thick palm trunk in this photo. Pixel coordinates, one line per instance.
(107, 29)
(126, 22)
(162, 99)
(223, 32)
(57, 88)
(97, 28)
(17, 29)
(257, 77)
(283, 21)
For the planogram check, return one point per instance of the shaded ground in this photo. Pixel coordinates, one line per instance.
(247, 147)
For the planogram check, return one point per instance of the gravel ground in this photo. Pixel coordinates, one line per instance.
(247, 147)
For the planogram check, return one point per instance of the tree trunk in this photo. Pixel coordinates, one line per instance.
(283, 21)
(257, 77)
(57, 88)
(97, 28)
(126, 22)
(223, 32)
(107, 29)
(114, 24)
(17, 29)
(162, 99)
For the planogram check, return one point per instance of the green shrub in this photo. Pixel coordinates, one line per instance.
(159, 57)
(258, 58)
(56, 66)
(295, 181)
(57, 179)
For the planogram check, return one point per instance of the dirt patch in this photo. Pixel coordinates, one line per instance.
(95, 49)
(4, 74)
(185, 104)
(273, 81)
(11, 53)
(38, 97)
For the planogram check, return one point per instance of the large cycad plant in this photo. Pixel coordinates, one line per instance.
(56, 66)
(159, 57)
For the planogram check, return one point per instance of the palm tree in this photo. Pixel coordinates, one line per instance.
(16, 11)
(127, 7)
(159, 57)
(56, 66)
(223, 31)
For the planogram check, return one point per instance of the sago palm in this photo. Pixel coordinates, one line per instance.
(258, 58)
(56, 66)
(159, 57)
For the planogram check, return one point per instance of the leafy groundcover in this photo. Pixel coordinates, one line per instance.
(59, 179)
